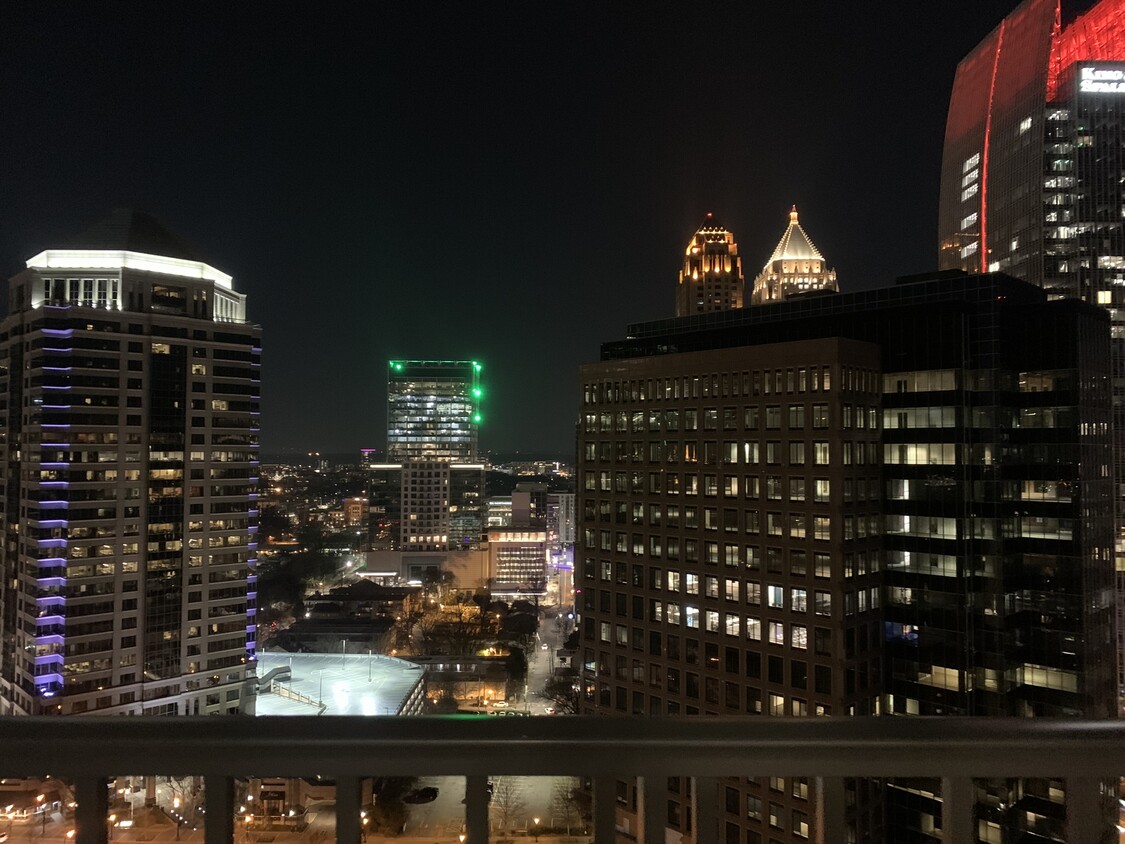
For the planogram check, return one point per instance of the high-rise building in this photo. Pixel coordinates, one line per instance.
(130, 452)
(560, 517)
(1032, 175)
(894, 502)
(429, 496)
(426, 505)
(433, 410)
(711, 277)
(795, 267)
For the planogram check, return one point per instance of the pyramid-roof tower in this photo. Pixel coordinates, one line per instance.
(795, 243)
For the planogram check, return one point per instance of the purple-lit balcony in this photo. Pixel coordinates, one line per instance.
(90, 751)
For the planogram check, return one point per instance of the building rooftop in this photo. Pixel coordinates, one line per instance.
(126, 229)
(795, 244)
(345, 684)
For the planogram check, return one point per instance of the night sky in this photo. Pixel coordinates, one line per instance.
(512, 183)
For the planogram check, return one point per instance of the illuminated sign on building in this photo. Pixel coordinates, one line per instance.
(1096, 80)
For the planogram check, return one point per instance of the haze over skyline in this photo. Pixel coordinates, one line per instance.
(476, 182)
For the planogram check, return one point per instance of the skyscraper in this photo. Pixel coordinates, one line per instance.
(795, 267)
(433, 410)
(892, 502)
(130, 452)
(1032, 175)
(431, 493)
(711, 277)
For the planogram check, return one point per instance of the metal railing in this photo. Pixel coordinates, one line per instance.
(91, 750)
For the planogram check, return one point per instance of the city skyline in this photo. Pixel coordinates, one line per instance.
(377, 160)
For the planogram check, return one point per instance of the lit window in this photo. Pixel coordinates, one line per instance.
(777, 633)
(776, 595)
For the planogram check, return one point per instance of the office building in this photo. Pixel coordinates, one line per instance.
(529, 505)
(429, 496)
(433, 410)
(885, 503)
(795, 267)
(517, 560)
(130, 453)
(426, 506)
(1031, 175)
(560, 518)
(711, 277)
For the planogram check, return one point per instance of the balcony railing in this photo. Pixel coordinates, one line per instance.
(89, 751)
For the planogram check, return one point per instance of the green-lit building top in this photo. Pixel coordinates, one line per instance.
(433, 410)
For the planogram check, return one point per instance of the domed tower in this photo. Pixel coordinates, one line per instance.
(711, 278)
(795, 267)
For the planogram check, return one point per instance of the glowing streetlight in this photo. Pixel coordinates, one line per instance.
(536, 830)
(109, 833)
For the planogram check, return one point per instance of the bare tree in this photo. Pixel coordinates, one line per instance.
(564, 805)
(561, 689)
(507, 802)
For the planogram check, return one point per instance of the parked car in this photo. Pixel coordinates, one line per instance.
(421, 795)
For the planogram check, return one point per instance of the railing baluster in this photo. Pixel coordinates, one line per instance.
(654, 808)
(605, 810)
(218, 799)
(830, 824)
(1084, 814)
(91, 794)
(706, 790)
(348, 799)
(476, 810)
(957, 798)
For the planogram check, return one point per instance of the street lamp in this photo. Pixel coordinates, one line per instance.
(39, 798)
(109, 833)
(536, 830)
(179, 817)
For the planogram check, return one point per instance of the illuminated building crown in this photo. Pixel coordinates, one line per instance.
(711, 278)
(795, 267)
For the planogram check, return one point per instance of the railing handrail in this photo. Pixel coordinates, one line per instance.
(351, 746)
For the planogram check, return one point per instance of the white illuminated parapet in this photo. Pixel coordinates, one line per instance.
(109, 259)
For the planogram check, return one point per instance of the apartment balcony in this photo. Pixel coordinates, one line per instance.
(89, 751)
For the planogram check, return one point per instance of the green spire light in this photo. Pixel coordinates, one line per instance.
(476, 417)
(396, 365)
(477, 392)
